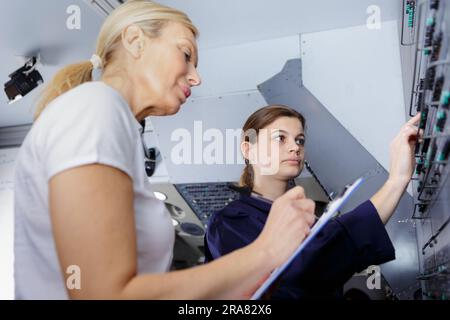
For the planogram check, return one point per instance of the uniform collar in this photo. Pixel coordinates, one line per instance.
(255, 202)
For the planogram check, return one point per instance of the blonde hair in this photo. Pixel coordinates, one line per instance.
(151, 17)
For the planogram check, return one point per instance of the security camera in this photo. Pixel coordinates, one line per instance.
(23, 80)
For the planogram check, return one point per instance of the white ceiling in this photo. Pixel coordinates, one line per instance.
(226, 22)
(41, 26)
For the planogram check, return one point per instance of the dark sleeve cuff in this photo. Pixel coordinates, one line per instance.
(368, 234)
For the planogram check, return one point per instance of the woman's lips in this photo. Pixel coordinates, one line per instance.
(186, 91)
(293, 161)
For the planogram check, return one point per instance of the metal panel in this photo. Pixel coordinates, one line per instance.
(430, 96)
(13, 136)
(7, 160)
(206, 198)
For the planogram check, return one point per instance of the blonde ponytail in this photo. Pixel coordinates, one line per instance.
(67, 78)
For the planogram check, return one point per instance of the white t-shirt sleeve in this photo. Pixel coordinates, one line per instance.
(88, 130)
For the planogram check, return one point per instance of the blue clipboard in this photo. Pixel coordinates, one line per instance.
(331, 211)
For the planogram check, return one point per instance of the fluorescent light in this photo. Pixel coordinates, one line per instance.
(17, 98)
(159, 195)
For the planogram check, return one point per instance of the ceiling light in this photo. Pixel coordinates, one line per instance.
(159, 195)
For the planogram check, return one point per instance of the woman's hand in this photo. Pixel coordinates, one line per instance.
(288, 224)
(401, 169)
(402, 152)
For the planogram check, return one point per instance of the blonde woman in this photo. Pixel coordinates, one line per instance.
(86, 222)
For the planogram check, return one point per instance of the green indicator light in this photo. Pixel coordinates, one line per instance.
(445, 97)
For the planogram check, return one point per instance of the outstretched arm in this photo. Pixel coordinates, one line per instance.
(401, 169)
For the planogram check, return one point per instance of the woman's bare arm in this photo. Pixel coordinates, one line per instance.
(93, 224)
(401, 169)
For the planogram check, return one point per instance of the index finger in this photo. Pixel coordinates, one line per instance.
(295, 193)
(414, 120)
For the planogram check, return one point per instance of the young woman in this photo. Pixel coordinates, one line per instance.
(348, 244)
(86, 222)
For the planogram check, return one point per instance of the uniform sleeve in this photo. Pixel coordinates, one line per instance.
(226, 234)
(87, 131)
(345, 245)
(368, 235)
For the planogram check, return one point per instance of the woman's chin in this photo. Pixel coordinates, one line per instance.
(175, 107)
(290, 173)
(172, 109)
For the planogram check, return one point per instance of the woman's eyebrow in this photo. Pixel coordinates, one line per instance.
(284, 131)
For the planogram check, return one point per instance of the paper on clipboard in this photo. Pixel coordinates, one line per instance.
(329, 213)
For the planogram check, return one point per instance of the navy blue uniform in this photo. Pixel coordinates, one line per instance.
(347, 244)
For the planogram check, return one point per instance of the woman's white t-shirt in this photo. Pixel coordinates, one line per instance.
(91, 123)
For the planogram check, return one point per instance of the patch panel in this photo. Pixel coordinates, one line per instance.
(431, 182)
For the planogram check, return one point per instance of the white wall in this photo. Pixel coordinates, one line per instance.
(240, 68)
(7, 157)
(356, 74)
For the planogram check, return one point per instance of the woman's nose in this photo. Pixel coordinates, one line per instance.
(294, 148)
(194, 77)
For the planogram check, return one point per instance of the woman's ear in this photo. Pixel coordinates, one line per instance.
(133, 40)
(245, 149)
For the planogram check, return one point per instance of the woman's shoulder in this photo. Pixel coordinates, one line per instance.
(235, 210)
(237, 207)
(91, 111)
(237, 218)
(95, 92)
(91, 100)
(92, 96)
